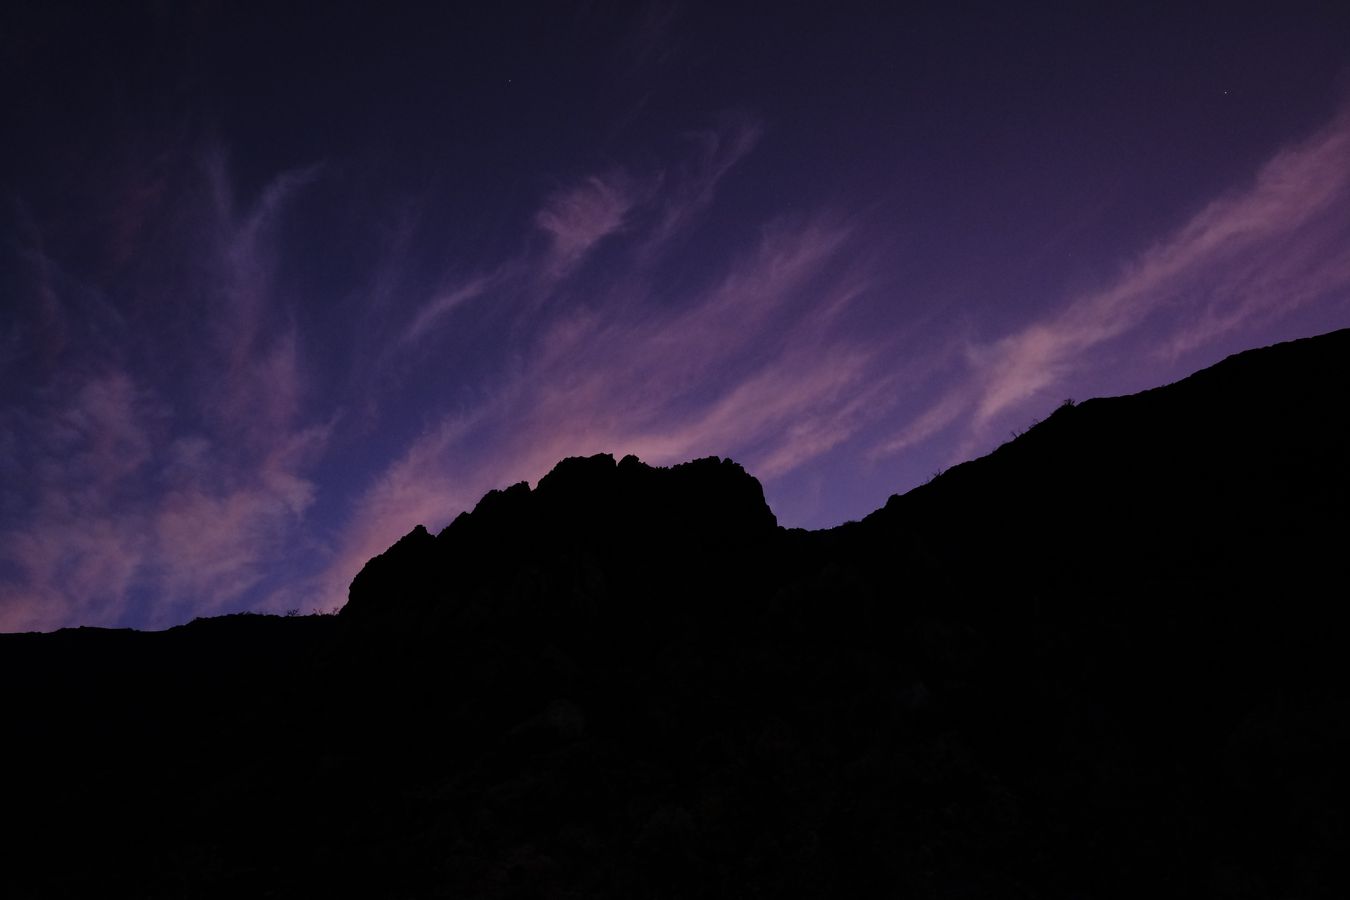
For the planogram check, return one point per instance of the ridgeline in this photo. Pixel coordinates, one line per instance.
(1106, 660)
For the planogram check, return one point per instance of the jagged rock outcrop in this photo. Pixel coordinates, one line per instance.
(593, 535)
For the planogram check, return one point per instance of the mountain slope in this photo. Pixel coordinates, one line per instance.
(1103, 661)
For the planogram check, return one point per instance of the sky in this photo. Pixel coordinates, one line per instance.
(277, 285)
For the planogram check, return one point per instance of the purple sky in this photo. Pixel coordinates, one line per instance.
(276, 289)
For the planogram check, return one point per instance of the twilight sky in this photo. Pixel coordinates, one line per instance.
(276, 287)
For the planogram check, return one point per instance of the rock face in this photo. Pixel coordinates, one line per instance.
(1105, 660)
(649, 528)
(1250, 451)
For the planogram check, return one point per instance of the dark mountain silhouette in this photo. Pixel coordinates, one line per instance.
(1105, 660)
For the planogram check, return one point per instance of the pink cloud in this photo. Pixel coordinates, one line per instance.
(443, 304)
(654, 207)
(770, 361)
(134, 515)
(119, 515)
(687, 190)
(1242, 262)
(599, 377)
(578, 217)
(177, 517)
(750, 367)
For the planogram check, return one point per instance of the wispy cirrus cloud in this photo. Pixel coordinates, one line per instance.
(653, 208)
(444, 303)
(718, 371)
(689, 187)
(148, 501)
(750, 364)
(1242, 262)
(221, 481)
(576, 218)
(177, 469)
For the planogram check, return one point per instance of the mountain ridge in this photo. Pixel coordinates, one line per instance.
(1103, 660)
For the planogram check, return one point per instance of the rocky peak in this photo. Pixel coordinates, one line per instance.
(625, 516)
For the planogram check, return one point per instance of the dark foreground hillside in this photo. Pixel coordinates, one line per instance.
(1106, 660)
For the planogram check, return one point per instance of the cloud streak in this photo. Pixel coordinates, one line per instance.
(579, 217)
(202, 441)
(750, 364)
(1241, 262)
(145, 503)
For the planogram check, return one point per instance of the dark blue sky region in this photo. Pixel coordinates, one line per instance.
(277, 285)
